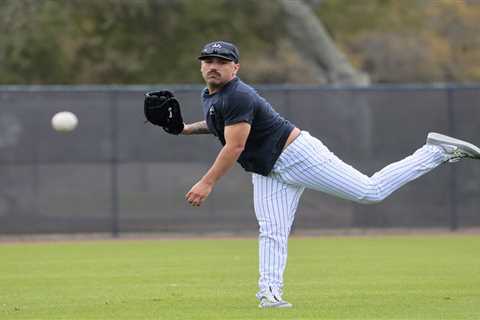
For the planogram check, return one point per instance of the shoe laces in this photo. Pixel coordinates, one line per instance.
(276, 294)
(271, 295)
(457, 155)
(454, 153)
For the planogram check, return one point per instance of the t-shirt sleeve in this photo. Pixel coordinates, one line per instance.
(238, 108)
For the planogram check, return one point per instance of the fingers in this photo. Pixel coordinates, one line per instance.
(194, 199)
(198, 193)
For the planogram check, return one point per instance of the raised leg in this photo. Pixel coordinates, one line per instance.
(309, 163)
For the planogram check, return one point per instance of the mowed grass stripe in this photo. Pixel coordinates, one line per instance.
(381, 277)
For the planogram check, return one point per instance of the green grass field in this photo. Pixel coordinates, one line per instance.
(381, 277)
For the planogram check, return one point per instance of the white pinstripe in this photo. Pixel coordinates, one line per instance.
(307, 163)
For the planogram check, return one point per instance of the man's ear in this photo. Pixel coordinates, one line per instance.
(237, 67)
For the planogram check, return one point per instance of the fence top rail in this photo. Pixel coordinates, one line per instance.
(262, 87)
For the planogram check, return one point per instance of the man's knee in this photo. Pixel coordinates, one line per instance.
(371, 195)
(370, 200)
(273, 231)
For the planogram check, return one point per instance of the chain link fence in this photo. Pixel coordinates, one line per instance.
(116, 174)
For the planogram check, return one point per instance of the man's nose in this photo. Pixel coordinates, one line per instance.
(213, 68)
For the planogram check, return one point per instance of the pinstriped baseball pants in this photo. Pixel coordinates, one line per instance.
(307, 163)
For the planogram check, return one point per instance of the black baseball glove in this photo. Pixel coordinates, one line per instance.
(162, 109)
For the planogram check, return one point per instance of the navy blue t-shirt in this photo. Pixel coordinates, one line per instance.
(237, 102)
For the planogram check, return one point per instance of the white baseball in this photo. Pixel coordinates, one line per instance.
(64, 121)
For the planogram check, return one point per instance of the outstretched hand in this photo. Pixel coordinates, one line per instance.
(198, 193)
(235, 136)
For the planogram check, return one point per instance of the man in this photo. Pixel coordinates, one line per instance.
(284, 161)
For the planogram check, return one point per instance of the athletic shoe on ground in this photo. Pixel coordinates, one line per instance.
(267, 303)
(272, 299)
(456, 149)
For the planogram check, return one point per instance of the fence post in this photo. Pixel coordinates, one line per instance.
(453, 172)
(114, 163)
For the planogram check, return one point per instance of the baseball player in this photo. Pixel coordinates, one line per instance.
(283, 159)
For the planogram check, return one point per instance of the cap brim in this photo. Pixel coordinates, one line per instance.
(214, 56)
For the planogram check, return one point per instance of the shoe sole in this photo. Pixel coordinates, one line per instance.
(276, 305)
(472, 150)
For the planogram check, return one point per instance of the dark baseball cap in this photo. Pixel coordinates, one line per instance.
(220, 49)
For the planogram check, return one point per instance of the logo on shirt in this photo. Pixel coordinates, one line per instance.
(211, 111)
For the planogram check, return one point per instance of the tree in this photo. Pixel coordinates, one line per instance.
(313, 42)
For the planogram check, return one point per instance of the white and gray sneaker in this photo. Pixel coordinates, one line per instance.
(456, 149)
(268, 299)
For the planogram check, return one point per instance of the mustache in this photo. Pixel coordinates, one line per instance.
(213, 73)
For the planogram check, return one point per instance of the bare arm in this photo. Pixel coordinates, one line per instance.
(235, 138)
(199, 127)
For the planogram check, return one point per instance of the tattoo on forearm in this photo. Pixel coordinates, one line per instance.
(198, 128)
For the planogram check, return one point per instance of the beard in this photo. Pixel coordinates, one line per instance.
(214, 82)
